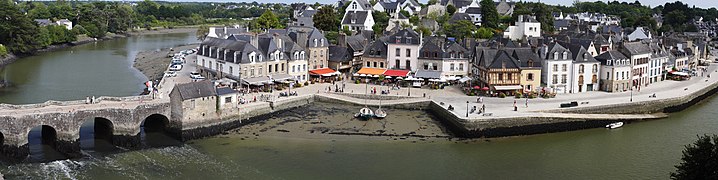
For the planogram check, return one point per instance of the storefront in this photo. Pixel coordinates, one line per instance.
(323, 75)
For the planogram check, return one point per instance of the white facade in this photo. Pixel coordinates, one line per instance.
(401, 56)
(617, 73)
(582, 76)
(298, 69)
(527, 26)
(640, 71)
(455, 67)
(556, 74)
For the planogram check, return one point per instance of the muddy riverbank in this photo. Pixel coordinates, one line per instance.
(154, 63)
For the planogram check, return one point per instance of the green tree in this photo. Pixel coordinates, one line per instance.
(432, 2)
(268, 21)
(484, 33)
(423, 30)
(43, 37)
(39, 11)
(414, 20)
(78, 30)
(326, 19)
(17, 31)
(489, 15)
(450, 9)
(459, 29)
(381, 20)
(202, 32)
(405, 13)
(700, 160)
(3, 51)
(544, 16)
(347, 31)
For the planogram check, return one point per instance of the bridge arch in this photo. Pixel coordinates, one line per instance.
(96, 132)
(42, 143)
(156, 131)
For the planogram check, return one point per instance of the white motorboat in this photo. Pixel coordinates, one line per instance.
(379, 113)
(614, 125)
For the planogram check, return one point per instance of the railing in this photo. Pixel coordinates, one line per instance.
(75, 102)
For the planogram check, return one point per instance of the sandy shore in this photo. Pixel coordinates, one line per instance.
(154, 63)
(327, 121)
(163, 31)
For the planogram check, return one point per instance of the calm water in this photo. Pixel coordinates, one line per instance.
(646, 150)
(95, 69)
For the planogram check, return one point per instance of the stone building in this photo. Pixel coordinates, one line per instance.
(375, 54)
(403, 50)
(193, 102)
(450, 58)
(314, 42)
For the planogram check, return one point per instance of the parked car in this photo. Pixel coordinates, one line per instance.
(177, 61)
(195, 75)
(171, 74)
(176, 67)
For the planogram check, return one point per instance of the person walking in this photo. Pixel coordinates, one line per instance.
(527, 102)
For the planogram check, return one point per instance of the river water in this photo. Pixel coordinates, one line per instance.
(645, 150)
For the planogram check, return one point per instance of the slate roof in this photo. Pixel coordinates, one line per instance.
(580, 55)
(459, 16)
(389, 6)
(442, 49)
(221, 32)
(496, 59)
(43, 22)
(556, 47)
(195, 90)
(457, 3)
(524, 55)
(610, 55)
(231, 46)
(473, 10)
(635, 48)
(356, 42)
(340, 54)
(358, 17)
(225, 90)
(376, 49)
(404, 36)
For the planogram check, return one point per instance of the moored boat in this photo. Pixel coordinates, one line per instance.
(614, 125)
(365, 113)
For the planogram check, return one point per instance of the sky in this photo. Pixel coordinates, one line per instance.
(653, 3)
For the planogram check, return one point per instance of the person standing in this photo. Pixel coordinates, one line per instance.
(527, 102)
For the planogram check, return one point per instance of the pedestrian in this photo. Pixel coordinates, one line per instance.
(94, 100)
(481, 99)
(527, 102)
(87, 99)
(483, 108)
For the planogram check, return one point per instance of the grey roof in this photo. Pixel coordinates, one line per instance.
(610, 55)
(459, 16)
(496, 59)
(427, 74)
(357, 17)
(227, 31)
(364, 4)
(231, 46)
(556, 47)
(635, 48)
(438, 48)
(504, 8)
(404, 36)
(473, 10)
(195, 90)
(457, 3)
(526, 55)
(356, 42)
(43, 22)
(580, 55)
(340, 54)
(225, 90)
(376, 49)
(389, 6)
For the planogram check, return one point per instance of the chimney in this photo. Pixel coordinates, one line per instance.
(521, 17)
(342, 40)
(254, 40)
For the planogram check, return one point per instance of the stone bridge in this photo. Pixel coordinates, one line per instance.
(118, 119)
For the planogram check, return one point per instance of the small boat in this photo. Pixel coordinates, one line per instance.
(365, 113)
(379, 113)
(614, 125)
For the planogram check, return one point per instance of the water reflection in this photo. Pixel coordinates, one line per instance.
(96, 136)
(42, 141)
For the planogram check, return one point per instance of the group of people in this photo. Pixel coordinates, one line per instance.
(90, 100)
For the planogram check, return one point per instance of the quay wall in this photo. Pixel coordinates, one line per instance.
(667, 105)
(228, 119)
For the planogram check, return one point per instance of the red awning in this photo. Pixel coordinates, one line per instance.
(396, 73)
(323, 71)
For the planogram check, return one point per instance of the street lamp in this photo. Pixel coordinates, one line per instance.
(467, 108)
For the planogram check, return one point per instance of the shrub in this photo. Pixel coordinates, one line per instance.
(502, 95)
(298, 85)
(517, 95)
(3, 50)
(306, 83)
(357, 81)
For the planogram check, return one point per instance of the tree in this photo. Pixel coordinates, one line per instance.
(459, 29)
(3, 51)
(432, 2)
(423, 30)
(39, 11)
(489, 15)
(484, 33)
(414, 20)
(381, 20)
(268, 21)
(17, 31)
(405, 13)
(78, 30)
(202, 32)
(326, 19)
(347, 31)
(700, 160)
(450, 9)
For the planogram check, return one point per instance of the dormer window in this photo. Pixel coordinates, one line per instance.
(530, 63)
(555, 56)
(565, 55)
(315, 42)
(452, 54)
(398, 39)
(322, 42)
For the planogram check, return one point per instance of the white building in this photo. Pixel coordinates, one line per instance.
(640, 54)
(584, 72)
(526, 26)
(403, 50)
(556, 66)
(615, 71)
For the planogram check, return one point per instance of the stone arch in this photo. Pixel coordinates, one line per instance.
(101, 129)
(2, 139)
(48, 134)
(48, 147)
(155, 123)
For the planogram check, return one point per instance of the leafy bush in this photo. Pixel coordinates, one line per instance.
(3, 51)
(357, 82)
(306, 83)
(502, 95)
